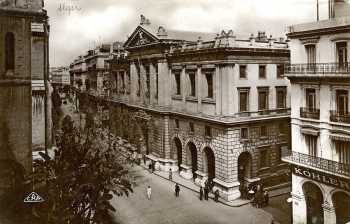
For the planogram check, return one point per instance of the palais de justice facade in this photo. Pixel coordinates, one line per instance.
(209, 106)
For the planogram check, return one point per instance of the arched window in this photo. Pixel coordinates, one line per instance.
(9, 51)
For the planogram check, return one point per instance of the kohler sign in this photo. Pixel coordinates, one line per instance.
(324, 178)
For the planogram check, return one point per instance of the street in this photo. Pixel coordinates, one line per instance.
(165, 208)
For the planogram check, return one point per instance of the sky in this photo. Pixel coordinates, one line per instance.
(77, 25)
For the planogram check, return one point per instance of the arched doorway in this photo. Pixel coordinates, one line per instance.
(244, 167)
(341, 202)
(209, 163)
(178, 147)
(191, 153)
(314, 201)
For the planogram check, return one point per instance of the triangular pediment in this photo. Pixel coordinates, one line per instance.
(140, 37)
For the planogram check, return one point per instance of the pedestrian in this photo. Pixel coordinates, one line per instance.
(177, 190)
(170, 174)
(201, 193)
(217, 194)
(206, 193)
(144, 158)
(153, 166)
(149, 192)
(266, 198)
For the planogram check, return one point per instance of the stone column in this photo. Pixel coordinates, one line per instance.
(153, 84)
(183, 86)
(227, 90)
(198, 89)
(217, 90)
(164, 83)
(133, 82)
(329, 213)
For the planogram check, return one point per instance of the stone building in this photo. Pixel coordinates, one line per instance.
(209, 106)
(59, 76)
(320, 87)
(24, 111)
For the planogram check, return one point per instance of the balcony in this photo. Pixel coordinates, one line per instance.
(316, 162)
(337, 116)
(279, 111)
(312, 113)
(322, 69)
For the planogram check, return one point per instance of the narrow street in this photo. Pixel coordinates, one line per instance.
(165, 208)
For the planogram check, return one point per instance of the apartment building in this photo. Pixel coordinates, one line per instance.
(320, 157)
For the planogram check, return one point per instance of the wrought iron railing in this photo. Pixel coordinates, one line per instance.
(316, 162)
(338, 116)
(318, 68)
(312, 113)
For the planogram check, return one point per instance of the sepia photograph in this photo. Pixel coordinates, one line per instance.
(174, 112)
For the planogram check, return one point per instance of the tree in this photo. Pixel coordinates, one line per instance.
(81, 179)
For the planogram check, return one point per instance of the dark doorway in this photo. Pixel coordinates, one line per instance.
(341, 202)
(192, 158)
(209, 161)
(178, 146)
(314, 201)
(244, 167)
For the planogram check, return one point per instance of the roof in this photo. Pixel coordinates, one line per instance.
(177, 34)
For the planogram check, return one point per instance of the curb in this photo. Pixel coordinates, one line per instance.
(211, 197)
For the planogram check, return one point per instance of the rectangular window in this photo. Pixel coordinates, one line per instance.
(281, 96)
(243, 100)
(280, 71)
(263, 99)
(263, 131)
(342, 54)
(244, 133)
(242, 71)
(192, 77)
(343, 151)
(209, 78)
(262, 71)
(177, 77)
(311, 99)
(311, 143)
(279, 155)
(191, 127)
(342, 102)
(207, 131)
(177, 123)
(264, 158)
(311, 53)
(282, 128)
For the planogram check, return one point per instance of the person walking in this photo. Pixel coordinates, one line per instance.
(266, 198)
(144, 159)
(201, 193)
(177, 190)
(206, 193)
(217, 194)
(149, 192)
(170, 174)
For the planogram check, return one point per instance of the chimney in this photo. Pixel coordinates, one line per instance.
(252, 39)
(199, 43)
